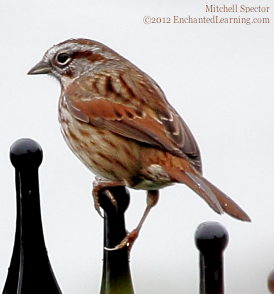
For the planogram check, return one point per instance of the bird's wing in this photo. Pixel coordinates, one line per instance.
(133, 108)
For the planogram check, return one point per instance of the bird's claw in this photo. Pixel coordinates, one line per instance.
(97, 203)
(127, 241)
(100, 184)
(112, 199)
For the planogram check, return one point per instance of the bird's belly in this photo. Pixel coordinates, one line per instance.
(151, 185)
(106, 154)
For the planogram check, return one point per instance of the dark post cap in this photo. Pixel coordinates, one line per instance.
(211, 237)
(25, 153)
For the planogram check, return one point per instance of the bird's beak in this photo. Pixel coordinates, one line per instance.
(40, 68)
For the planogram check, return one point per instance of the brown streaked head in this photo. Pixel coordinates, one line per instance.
(73, 58)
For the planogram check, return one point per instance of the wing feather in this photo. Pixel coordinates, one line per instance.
(135, 108)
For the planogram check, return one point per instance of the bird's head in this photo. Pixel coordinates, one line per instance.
(73, 58)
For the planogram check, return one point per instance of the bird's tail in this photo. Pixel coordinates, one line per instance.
(215, 198)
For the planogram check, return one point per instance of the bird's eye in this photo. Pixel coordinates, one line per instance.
(62, 58)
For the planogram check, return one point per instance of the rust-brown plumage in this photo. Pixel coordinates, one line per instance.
(117, 120)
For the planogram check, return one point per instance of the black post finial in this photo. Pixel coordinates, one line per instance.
(116, 277)
(25, 154)
(30, 271)
(211, 239)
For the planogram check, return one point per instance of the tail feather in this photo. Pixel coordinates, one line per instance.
(215, 198)
(228, 205)
(202, 189)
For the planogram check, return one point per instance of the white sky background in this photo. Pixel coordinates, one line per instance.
(220, 79)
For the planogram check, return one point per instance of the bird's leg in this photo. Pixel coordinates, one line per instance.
(99, 184)
(152, 199)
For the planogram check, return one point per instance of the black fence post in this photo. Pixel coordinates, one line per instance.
(30, 271)
(211, 239)
(116, 277)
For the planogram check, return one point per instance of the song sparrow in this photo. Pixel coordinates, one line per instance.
(117, 121)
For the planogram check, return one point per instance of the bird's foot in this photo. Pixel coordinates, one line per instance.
(99, 184)
(127, 241)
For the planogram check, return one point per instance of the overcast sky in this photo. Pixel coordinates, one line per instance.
(218, 76)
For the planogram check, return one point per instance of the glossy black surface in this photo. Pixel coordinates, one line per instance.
(211, 239)
(116, 272)
(30, 270)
